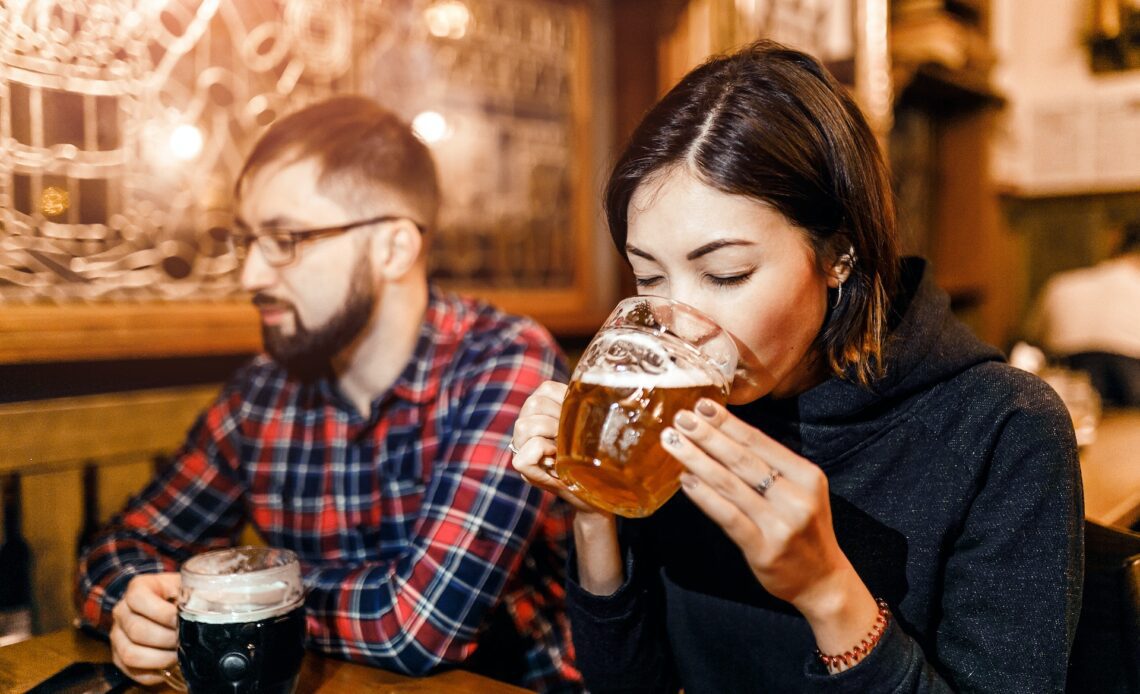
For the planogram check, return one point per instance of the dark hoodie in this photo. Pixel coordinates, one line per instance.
(956, 494)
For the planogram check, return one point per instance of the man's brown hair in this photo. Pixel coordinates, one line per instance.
(364, 151)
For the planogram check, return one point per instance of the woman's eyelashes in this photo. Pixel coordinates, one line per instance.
(730, 280)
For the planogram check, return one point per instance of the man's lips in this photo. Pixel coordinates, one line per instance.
(272, 311)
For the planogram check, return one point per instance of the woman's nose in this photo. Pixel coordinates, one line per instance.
(687, 296)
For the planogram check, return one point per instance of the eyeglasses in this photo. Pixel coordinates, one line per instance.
(279, 246)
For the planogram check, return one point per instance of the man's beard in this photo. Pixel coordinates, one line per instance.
(309, 353)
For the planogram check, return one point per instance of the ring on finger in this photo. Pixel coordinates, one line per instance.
(765, 484)
(511, 448)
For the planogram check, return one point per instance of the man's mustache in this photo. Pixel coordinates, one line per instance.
(262, 299)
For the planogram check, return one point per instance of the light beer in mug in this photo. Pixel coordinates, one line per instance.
(653, 358)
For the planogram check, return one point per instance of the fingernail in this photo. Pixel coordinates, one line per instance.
(706, 408)
(671, 438)
(686, 420)
(688, 480)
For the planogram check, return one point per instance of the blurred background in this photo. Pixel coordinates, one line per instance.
(1012, 128)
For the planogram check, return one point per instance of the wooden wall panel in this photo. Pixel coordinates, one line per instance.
(53, 516)
(50, 442)
(64, 432)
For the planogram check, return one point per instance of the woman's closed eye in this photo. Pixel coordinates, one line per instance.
(730, 280)
(646, 282)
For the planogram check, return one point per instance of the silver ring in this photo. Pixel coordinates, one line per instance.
(511, 448)
(765, 484)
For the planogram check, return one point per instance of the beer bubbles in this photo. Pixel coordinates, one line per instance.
(653, 358)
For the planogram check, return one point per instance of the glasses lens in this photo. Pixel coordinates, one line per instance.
(239, 245)
(276, 246)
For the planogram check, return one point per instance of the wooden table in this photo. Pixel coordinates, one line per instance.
(1110, 467)
(28, 663)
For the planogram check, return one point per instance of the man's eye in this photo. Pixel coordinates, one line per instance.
(242, 241)
(279, 240)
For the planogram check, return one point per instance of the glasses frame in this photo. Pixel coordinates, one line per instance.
(290, 238)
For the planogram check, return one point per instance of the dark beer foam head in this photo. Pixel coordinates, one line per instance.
(229, 606)
(238, 560)
(240, 584)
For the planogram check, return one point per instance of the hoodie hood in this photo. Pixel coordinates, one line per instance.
(926, 346)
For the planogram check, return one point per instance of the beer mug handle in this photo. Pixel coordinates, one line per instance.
(173, 677)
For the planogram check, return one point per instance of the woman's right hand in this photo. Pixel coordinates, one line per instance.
(595, 531)
(534, 439)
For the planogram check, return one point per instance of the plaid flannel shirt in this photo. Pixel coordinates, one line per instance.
(409, 521)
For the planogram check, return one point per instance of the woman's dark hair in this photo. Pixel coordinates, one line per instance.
(770, 123)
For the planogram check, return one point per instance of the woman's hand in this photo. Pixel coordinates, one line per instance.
(774, 505)
(534, 439)
(595, 531)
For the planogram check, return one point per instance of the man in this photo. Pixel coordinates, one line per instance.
(371, 439)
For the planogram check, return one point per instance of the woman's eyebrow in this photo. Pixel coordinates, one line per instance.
(715, 245)
(634, 250)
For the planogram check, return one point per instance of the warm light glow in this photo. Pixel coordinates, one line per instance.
(447, 19)
(54, 201)
(431, 127)
(186, 142)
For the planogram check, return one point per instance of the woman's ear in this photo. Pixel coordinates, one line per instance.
(842, 267)
(396, 252)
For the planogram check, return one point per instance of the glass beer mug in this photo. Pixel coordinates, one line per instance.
(652, 358)
(241, 622)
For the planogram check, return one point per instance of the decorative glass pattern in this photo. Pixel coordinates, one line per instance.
(124, 122)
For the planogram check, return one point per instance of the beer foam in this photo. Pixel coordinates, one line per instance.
(651, 343)
(673, 378)
(231, 604)
(237, 617)
(235, 560)
(625, 358)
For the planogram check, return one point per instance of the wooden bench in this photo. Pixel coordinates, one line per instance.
(50, 443)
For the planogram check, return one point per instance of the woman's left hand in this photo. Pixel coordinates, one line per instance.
(770, 501)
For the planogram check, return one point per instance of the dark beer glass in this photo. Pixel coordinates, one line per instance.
(241, 622)
(652, 358)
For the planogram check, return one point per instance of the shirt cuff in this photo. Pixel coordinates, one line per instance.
(617, 605)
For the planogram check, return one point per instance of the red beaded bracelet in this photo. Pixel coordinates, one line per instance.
(833, 663)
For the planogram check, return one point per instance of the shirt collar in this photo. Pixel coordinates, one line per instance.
(420, 380)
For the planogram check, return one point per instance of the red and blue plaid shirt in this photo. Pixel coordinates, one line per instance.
(411, 525)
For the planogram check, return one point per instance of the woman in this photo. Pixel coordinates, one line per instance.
(895, 509)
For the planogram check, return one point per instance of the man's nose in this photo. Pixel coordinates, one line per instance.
(256, 272)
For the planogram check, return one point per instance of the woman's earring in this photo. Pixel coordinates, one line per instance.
(843, 269)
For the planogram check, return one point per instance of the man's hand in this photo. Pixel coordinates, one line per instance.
(144, 635)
